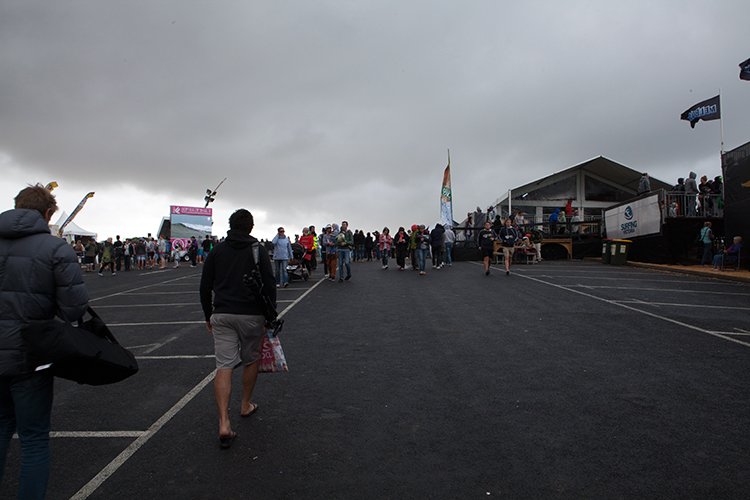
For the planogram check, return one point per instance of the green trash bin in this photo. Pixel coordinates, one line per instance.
(606, 244)
(618, 253)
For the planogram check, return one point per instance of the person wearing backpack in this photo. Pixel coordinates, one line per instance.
(235, 316)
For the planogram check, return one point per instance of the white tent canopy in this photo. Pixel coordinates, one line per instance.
(72, 229)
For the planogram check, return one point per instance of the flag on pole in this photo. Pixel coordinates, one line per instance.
(446, 198)
(710, 109)
(74, 213)
(745, 70)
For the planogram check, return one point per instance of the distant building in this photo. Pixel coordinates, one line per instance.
(589, 187)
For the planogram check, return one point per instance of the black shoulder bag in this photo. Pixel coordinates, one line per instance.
(87, 354)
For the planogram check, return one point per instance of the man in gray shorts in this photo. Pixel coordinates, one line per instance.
(234, 316)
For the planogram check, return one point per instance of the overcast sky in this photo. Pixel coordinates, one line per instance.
(319, 111)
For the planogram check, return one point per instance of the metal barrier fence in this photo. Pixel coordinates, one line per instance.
(693, 205)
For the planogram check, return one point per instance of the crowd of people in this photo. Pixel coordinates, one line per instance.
(693, 198)
(140, 253)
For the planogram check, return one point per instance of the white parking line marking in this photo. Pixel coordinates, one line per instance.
(670, 290)
(135, 289)
(151, 323)
(681, 304)
(625, 306)
(128, 452)
(93, 434)
(143, 438)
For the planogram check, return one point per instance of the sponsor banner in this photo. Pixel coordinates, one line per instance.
(631, 220)
(180, 210)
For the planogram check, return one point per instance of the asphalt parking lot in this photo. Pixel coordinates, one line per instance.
(565, 379)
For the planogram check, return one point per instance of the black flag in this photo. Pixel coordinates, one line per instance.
(710, 109)
(745, 70)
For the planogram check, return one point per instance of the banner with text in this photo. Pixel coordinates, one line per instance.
(631, 220)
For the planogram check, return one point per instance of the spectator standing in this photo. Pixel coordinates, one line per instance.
(177, 252)
(707, 239)
(163, 252)
(644, 184)
(282, 252)
(329, 248)
(234, 316)
(450, 240)
(41, 280)
(691, 191)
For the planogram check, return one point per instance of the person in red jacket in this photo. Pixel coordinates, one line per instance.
(307, 241)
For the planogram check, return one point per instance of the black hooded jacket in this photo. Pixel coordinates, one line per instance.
(222, 275)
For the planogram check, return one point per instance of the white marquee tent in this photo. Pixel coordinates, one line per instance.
(72, 230)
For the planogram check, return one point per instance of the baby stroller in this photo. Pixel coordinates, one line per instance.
(295, 268)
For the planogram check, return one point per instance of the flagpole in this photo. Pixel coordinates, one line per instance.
(721, 125)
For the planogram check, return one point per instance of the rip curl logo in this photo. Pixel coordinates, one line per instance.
(628, 213)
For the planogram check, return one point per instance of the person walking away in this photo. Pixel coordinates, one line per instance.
(163, 252)
(234, 316)
(40, 278)
(450, 239)
(487, 239)
(344, 248)
(553, 219)
(384, 245)
(316, 248)
(193, 251)
(707, 239)
(108, 257)
(401, 242)
(508, 238)
(282, 252)
(437, 243)
(90, 257)
(127, 254)
(118, 248)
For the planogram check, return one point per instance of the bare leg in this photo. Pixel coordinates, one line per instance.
(486, 264)
(222, 391)
(249, 376)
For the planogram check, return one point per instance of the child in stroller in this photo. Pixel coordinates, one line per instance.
(296, 267)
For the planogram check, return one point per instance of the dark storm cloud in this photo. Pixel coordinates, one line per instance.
(351, 105)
